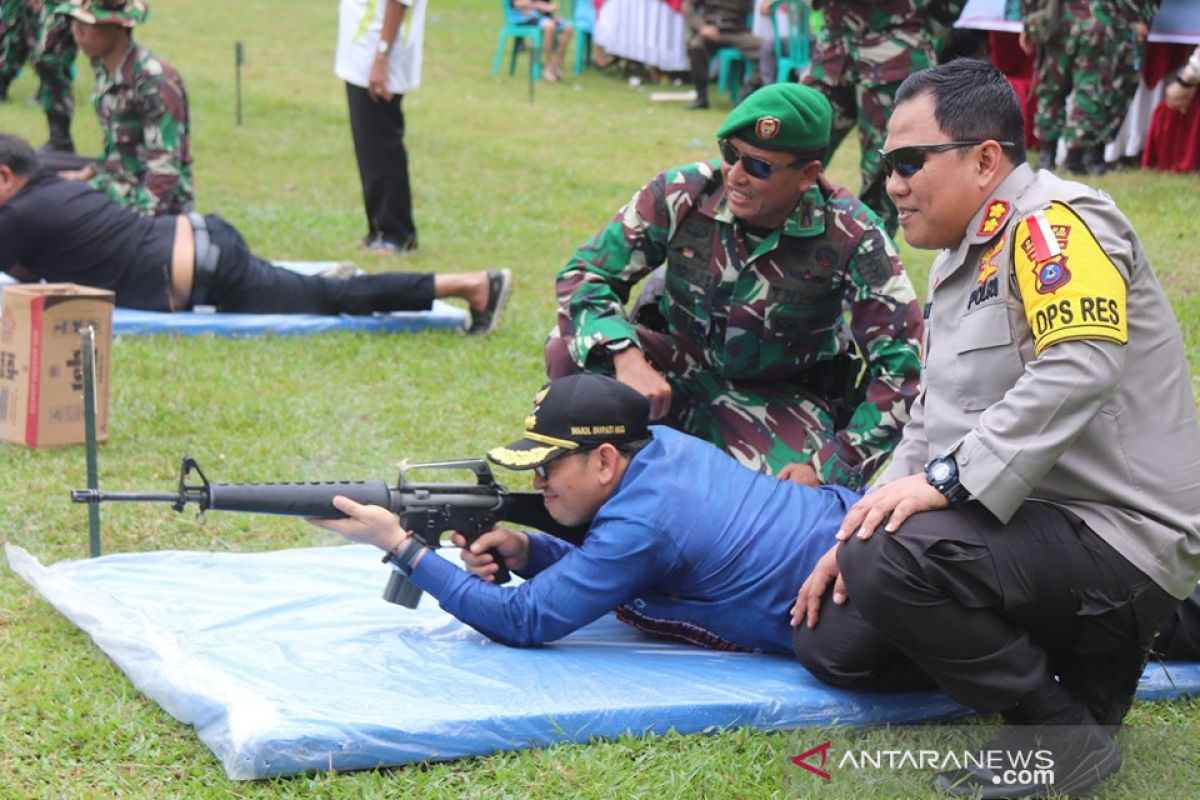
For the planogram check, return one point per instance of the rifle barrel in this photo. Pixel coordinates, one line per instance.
(97, 496)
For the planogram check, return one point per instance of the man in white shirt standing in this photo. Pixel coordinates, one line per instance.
(379, 58)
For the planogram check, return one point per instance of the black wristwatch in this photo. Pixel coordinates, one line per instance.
(401, 557)
(942, 474)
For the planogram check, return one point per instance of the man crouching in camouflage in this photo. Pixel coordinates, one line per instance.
(142, 106)
(748, 345)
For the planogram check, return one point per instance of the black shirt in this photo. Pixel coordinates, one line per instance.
(64, 231)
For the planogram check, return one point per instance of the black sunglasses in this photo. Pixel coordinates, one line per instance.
(755, 167)
(542, 470)
(907, 161)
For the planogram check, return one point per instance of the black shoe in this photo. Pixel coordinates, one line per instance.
(1049, 746)
(701, 100)
(1047, 155)
(3, 94)
(499, 288)
(1094, 161)
(1074, 162)
(1037, 762)
(60, 134)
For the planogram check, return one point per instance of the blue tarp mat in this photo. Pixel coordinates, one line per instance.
(290, 661)
(129, 322)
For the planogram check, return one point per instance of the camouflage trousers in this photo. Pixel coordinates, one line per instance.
(47, 38)
(868, 107)
(16, 39)
(765, 425)
(1097, 63)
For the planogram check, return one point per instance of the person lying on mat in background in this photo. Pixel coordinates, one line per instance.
(684, 542)
(64, 231)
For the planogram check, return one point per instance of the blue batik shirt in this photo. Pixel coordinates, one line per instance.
(691, 546)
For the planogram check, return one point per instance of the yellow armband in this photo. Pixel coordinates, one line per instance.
(1070, 287)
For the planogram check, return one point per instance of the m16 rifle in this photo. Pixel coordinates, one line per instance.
(427, 510)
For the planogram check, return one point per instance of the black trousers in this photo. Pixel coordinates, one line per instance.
(245, 283)
(984, 610)
(1180, 636)
(378, 130)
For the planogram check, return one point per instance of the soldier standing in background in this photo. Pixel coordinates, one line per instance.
(141, 102)
(866, 49)
(37, 28)
(14, 42)
(1093, 49)
(746, 346)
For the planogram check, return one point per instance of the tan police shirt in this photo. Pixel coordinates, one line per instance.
(1054, 370)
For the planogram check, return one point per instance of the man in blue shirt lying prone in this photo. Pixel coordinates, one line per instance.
(684, 543)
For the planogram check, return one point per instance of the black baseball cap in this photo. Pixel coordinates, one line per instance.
(579, 411)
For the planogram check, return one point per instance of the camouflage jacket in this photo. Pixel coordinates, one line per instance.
(764, 311)
(1110, 12)
(147, 162)
(888, 39)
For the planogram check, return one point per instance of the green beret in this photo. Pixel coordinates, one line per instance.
(781, 116)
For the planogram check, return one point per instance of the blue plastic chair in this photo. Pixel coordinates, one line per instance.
(798, 38)
(584, 20)
(732, 67)
(520, 35)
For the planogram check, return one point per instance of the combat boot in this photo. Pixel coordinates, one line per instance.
(701, 100)
(1050, 745)
(1093, 159)
(1074, 162)
(1048, 154)
(60, 134)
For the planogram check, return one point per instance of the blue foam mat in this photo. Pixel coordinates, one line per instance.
(131, 322)
(290, 661)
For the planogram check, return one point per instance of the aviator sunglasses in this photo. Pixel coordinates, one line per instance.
(907, 161)
(755, 167)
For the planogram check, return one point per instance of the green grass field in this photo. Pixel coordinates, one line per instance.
(498, 181)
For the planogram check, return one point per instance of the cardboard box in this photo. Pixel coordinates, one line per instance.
(41, 362)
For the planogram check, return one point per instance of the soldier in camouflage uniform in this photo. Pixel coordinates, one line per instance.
(140, 99)
(763, 256)
(713, 24)
(37, 28)
(15, 41)
(864, 51)
(1097, 54)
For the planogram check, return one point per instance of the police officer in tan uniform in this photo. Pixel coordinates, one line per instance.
(1040, 518)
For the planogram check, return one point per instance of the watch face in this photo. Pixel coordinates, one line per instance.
(939, 472)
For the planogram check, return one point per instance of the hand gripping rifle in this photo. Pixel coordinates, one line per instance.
(426, 509)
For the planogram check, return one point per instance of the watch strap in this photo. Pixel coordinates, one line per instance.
(401, 556)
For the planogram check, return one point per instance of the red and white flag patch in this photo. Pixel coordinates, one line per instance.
(1041, 235)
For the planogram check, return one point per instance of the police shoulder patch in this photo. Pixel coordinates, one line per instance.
(1070, 287)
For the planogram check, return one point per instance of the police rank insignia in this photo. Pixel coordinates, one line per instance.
(767, 128)
(994, 217)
